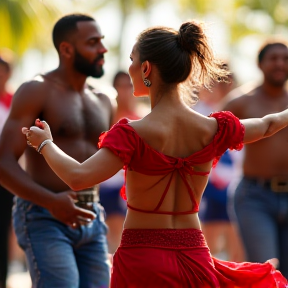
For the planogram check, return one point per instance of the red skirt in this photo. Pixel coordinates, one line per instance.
(172, 258)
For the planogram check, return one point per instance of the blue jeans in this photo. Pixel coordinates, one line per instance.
(262, 217)
(59, 256)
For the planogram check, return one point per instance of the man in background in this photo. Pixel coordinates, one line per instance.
(65, 245)
(261, 198)
(218, 226)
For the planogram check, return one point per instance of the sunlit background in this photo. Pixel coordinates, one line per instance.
(236, 29)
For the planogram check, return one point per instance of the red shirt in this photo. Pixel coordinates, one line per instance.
(6, 99)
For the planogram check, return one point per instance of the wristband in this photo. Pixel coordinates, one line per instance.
(40, 147)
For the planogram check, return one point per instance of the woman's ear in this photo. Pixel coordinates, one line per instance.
(146, 69)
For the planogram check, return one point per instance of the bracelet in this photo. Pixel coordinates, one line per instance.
(40, 147)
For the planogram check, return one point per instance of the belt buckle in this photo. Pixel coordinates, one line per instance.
(279, 184)
(87, 197)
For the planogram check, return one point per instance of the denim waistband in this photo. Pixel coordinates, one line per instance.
(277, 184)
(26, 205)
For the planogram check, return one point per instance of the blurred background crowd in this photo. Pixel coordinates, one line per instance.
(237, 28)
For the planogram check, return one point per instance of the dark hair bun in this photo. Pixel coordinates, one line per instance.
(190, 36)
(186, 51)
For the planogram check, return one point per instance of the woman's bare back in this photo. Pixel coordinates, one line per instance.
(177, 135)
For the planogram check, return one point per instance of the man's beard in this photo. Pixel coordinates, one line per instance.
(277, 82)
(82, 65)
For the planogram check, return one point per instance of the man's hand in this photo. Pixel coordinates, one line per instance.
(64, 209)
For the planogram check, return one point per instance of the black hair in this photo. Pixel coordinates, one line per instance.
(267, 46)
(65, 26)
(118, 75)
(180, 54)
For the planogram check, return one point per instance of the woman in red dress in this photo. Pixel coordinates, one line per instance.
(167, 157)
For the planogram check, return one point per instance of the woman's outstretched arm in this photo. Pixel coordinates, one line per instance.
(258, 128)
(99, 167)
(96, 169)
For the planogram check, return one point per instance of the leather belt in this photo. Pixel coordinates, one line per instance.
(278, 184)
(87, 197)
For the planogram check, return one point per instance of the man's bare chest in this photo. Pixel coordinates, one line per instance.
(77, 117)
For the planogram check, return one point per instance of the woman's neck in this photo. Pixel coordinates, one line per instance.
(166, 98)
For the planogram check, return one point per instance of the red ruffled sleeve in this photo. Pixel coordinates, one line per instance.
(120, 140)
(230, 133)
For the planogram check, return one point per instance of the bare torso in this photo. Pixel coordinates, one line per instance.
(76, 121)
(268, 157)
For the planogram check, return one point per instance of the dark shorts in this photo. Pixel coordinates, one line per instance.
(111, 200)
(6, 203)
(213, 206)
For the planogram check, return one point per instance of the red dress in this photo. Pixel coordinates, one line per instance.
(173, 258)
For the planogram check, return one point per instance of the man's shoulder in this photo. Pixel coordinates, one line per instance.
(242, 93)
(33, 91)
(36, 83)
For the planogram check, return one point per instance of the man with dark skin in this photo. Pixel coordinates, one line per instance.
(60, 253)
(261, 198)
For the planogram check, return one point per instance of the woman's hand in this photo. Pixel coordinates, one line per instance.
(35, 135)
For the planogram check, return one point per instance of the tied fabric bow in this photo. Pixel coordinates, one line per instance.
(184, 166)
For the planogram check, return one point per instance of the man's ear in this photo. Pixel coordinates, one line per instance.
(66, 49)
(146, 68)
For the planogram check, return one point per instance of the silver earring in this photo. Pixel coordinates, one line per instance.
(147, 82)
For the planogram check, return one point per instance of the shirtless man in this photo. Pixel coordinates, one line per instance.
(60, 253)
(261, 198)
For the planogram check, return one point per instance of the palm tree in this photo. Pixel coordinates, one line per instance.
(24, 24)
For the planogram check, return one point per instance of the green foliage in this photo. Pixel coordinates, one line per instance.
(28, 23)
(127, 6)
(243, 17)
(24, 24)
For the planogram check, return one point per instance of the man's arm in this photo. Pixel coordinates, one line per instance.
(27, 104)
